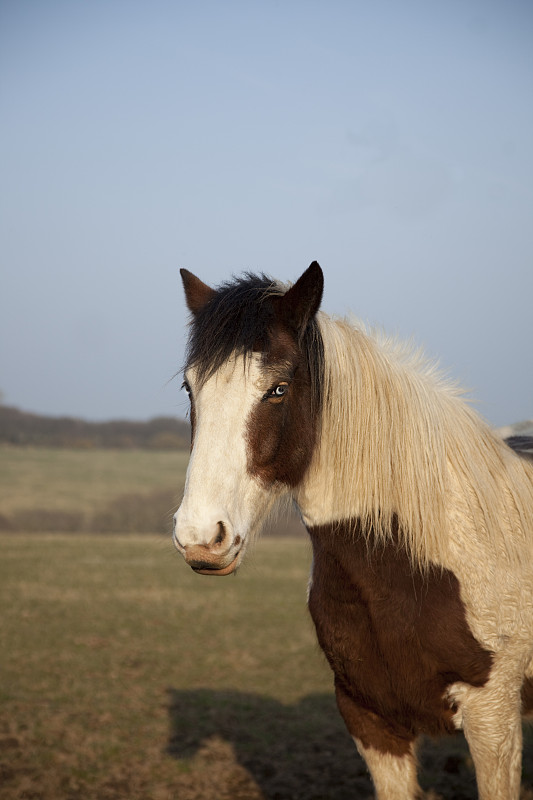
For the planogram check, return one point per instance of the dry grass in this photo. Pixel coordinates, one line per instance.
(82, 480)
(119, 666)
(125, 676)
(47, 489)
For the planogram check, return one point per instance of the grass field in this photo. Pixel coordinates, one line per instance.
(76, 490)
(42, 477)
(125, 676)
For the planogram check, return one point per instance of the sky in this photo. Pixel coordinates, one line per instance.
(391, 141)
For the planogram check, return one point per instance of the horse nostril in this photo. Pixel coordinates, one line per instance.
(221, 535)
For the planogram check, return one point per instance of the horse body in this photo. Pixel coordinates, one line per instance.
(421, 519)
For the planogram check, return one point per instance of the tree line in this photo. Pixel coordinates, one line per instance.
(24, 428)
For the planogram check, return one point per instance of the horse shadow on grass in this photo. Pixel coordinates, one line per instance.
(292, 752)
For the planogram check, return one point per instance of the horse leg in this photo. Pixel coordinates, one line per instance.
(492, 724)
(394, 777)
(389, 757)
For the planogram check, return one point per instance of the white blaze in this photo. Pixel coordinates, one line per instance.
(218, 486)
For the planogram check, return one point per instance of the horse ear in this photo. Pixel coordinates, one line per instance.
(301, 302)
(197, 293)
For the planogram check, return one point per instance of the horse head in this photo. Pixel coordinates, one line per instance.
(253, 378)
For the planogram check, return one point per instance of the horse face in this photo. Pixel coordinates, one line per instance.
(253, 437)
(223, 502)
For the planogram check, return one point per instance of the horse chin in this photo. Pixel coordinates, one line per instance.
(222, 570)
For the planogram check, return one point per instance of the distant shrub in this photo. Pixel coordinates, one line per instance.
(128, 513)
(165, 440)
(46, 520)
(135, 513)
(5, 523)
(22, 428)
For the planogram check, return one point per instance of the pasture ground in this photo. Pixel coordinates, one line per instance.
(52, 489)
(124, 676)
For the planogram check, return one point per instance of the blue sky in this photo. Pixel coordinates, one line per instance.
(390, 141)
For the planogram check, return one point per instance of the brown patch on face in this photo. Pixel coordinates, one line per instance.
(395, 637)
(282, 431)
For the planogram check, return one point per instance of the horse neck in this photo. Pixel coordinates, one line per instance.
(395, 442)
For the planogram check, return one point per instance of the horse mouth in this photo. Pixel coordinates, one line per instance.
(206, 570)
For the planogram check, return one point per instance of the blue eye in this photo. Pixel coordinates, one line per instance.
(278, 391)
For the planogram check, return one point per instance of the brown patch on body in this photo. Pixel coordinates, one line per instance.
(395, 637)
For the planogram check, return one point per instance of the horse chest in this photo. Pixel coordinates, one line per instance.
(394, 637)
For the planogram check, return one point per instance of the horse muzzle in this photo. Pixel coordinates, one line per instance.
(220, 555)
(203, 568)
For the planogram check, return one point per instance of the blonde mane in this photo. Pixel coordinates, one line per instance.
(398, 442)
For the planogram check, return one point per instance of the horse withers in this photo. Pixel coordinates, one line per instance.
(420, 518)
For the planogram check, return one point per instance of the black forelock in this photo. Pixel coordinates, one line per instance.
(237, 319)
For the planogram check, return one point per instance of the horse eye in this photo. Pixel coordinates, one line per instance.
(280, 390)
(187, 388)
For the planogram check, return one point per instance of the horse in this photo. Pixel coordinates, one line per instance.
(419, 515)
